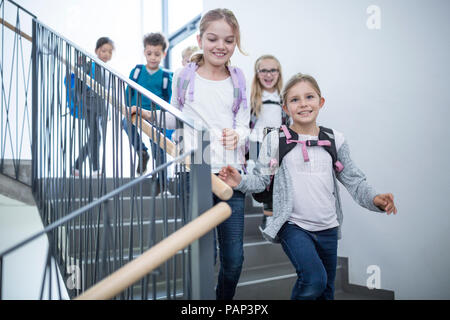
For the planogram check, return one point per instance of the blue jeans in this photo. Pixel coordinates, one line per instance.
(230, 235)
(314, 256)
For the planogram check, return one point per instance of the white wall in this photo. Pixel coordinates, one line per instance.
(387, 91)
(84, 21)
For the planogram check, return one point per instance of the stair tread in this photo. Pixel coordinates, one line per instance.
(265, 273)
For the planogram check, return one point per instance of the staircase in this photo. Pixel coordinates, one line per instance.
(97, 236)
(131, 223)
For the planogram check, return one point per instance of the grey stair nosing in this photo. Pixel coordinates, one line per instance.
(263, 280)
(126, 224)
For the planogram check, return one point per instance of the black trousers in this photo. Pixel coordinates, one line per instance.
(92, 146)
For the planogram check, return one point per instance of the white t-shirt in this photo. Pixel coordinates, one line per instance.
(270, 116)
(212, 108)
(313, 187)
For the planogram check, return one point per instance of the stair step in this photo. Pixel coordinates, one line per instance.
(259, 252)
(17, 169)
(252, 221)
(76, 187)
(272, 282)
(138, 233)
(124, 208)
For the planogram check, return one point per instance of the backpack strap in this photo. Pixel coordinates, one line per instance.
(186, 77)
(186, 84)
(137, 72)
(165, 85)
(239, 92)
(287, 136)
(325, 140)
(135, 76)
(327, 135)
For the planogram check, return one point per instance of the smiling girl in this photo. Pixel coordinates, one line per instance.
(307, 213)
(265, 99)
(210, 99)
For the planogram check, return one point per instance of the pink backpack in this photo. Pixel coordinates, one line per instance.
(187, 76)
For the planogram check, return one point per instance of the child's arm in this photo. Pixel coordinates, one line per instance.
(260, 178)
(385, 202)
(361, 191)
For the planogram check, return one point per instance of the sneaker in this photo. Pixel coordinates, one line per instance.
(96, 174)
(75, 172)
(165, 193)
(144, 159)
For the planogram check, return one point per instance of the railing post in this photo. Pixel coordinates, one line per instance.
(202, 251)
(34, 110)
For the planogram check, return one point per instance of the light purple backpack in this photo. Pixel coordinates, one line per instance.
(186, 81)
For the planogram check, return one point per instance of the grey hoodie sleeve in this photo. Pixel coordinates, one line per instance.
(355, 181)
(259, 179)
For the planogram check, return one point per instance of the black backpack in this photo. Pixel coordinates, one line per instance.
(325, 140)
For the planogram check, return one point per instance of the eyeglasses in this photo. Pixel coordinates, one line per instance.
(271, 71)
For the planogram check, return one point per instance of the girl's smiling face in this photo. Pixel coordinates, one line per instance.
(268, 74)
(217, 42)
(104, 53)
(303, 103)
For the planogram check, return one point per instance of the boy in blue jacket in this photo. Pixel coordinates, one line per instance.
(158, 81)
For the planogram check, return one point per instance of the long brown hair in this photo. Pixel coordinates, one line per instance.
(257, 89)
(214, 15)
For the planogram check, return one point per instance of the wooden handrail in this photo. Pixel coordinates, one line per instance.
(13, 28)
(158, 254)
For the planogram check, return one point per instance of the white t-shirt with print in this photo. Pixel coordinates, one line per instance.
(313, 187)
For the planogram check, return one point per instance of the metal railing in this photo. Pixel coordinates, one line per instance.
(98, 213)
(15, 99)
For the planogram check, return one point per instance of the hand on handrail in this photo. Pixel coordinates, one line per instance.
(147, 115)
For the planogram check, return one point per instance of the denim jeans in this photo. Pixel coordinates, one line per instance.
(230, 236)
(314, 256)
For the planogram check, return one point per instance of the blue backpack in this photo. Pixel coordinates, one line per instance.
(73, 94)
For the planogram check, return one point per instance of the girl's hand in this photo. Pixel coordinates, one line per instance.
(230, 139)
(385, 202)
(230, 176)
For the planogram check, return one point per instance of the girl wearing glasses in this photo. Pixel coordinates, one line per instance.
(265, 102)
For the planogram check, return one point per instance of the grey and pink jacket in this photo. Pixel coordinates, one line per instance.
(351, 177)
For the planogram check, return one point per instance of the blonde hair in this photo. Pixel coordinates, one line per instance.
(257, 89)
(188, 51)
(214, 15)
(299, 77)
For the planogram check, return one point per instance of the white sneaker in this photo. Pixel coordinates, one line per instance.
(165, 193)
(75, 172)
(96, 174)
